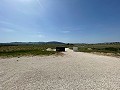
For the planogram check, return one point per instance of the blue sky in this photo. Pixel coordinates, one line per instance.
(73, 21)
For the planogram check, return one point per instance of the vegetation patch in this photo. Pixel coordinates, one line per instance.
(107, 49)
(25, 50)
(25, 53)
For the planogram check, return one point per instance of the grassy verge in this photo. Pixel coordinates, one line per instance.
(28, 50)
(25, 53)
(25, 50)
(110, 50)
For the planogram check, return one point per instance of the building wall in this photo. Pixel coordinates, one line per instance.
(75, 49)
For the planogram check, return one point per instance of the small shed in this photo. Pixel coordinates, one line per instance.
(60, 49)
(49, 49)
(75, 49)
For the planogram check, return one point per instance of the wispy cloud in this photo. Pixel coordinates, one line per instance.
(40, 4)
(6, 23)
(8, 26)
(8, 30)
(24, 0)
(66, 31)
(40, 36)
(73, 28)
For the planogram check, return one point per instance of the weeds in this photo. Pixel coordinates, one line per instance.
(14, 51)
(114, 49)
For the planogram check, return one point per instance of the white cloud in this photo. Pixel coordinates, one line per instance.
(73, 28)
(7, 23)
(23, 1)
(65, 31)
(40, 3)
(40, 36)
(8, 30)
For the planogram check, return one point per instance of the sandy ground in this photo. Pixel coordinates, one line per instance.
(73, 71)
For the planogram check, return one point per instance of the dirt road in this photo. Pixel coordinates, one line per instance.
(73, 71)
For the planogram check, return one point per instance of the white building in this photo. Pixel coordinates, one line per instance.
(75, 49)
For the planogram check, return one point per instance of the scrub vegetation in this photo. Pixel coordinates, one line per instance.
(106, 48)
(16, 50)
(25, 50)
(8, 50)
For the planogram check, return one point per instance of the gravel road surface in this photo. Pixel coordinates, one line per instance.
(72, 71)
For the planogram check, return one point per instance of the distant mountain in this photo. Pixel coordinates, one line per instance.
(27, 42)
(54, 42)
(30, 43)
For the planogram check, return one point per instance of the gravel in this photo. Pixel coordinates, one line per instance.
(72, 71)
